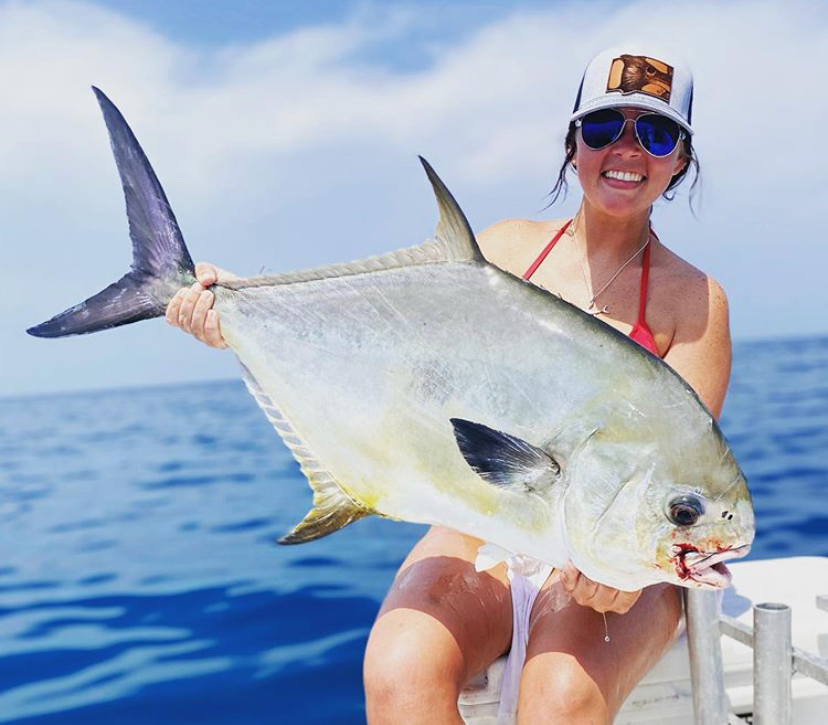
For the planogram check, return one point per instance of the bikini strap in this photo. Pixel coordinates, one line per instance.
(548, 248)
(645, 280)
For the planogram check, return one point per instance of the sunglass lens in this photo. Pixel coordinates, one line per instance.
(601, 128)
(658, 134)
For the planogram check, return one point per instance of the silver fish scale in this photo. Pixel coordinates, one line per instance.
(350, 361)
(365, 368)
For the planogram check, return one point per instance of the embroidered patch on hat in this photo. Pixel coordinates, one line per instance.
(640, 74)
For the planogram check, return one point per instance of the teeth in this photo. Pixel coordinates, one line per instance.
(708, 570)
(623, 175)
(700, 561)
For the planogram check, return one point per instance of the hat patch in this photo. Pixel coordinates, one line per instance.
(640, 74)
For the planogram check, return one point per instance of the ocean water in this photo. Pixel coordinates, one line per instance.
(140, 582)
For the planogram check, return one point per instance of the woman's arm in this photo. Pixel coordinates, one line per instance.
(589, 593)
(701, 353)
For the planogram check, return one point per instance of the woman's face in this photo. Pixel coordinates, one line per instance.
(618, 197)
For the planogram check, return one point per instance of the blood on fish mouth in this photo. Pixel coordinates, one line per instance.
(706, 569)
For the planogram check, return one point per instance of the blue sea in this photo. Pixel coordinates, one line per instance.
(139, 578)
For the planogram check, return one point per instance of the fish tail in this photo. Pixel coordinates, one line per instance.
(161, 263)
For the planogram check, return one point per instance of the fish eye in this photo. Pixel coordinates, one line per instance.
(685, 510)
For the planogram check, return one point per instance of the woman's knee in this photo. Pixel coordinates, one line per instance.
(449, 607)
(410, 667)
(556, 689)
(439, 625)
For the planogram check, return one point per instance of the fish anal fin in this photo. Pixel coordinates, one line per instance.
(505, 460)
(332, 507)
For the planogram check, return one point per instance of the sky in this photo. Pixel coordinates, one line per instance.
(286, 135)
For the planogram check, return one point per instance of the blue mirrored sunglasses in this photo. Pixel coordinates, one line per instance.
(657, 134)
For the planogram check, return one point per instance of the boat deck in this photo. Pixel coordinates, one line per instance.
(664, 696)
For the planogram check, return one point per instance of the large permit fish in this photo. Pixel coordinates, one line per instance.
(430, 386)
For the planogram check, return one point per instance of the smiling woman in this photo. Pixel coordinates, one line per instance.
(443, 621)
(629, 141)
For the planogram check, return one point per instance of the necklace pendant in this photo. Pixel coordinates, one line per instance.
(595, 311)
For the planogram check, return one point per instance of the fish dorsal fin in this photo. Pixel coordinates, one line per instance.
(505, 460)
(453, 242)
(332, 507)
(453, 232)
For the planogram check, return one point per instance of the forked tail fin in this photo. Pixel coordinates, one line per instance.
(161, 263)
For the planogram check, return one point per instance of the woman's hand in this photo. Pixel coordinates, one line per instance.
(192, 307)
(588, 593)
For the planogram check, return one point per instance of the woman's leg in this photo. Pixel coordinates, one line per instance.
(441, 623)
(571, 674)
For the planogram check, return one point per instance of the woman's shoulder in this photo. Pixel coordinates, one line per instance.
(692, 300)
(685, 283)
(695, 306)
(513, 244)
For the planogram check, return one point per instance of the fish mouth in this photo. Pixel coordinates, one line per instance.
(707, 571)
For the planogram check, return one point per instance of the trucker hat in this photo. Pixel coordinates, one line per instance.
(638, 78)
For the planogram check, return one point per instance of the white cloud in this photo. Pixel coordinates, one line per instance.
(300, 149)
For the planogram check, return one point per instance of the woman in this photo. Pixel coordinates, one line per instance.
(442, 622)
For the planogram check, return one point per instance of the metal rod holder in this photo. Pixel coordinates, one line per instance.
(772, 664)
(706, 671)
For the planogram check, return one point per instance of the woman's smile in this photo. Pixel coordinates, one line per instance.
(618, 179)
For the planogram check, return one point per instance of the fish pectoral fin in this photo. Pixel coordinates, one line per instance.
(504, 460)
(332, 509)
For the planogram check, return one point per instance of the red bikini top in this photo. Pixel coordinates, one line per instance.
(640, 332)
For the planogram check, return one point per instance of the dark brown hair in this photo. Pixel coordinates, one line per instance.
(561, 185)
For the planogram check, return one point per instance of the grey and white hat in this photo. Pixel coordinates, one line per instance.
(638, 78)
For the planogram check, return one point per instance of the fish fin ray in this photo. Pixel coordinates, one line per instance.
(332, 507)
(429, 252)
(505, 460)
(453, 242)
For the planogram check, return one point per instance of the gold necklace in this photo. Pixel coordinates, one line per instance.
(591, 308)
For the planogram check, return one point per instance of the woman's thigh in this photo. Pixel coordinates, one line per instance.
(567, 652)
(441, 618)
